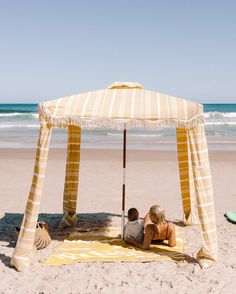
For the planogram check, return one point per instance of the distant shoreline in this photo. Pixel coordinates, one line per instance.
(19, 127)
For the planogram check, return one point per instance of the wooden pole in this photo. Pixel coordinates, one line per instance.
(123, 186)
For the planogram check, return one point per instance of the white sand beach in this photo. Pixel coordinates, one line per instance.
(152, 178)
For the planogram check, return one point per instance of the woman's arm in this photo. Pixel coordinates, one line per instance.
(172, 237)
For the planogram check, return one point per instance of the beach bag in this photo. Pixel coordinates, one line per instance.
(42, 238)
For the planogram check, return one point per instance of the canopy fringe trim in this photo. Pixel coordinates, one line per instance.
(118, 124)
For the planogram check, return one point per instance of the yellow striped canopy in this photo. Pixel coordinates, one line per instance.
(121, 106)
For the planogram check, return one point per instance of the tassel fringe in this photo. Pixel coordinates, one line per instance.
(118, 124)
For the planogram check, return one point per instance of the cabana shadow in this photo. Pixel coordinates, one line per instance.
(10, 221)
(174, 255)
(85, 221)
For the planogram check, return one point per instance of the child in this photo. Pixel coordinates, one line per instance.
(156, 228)
(134, 226)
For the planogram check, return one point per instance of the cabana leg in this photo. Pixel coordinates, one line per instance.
(204, 192)
(71, 177)
(23, 252)
(186, 178)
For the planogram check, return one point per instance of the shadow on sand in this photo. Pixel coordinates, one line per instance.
(10, 221)
(86, 221)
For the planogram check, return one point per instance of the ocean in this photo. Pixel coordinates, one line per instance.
(19, 126)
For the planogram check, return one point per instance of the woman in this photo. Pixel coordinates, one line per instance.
(156, 228)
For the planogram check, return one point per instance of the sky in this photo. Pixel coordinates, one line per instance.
(51, 49)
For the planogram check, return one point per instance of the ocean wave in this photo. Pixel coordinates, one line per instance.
(216, 123)
(7, 126)
(211, 114)
(213, 118)
(135, 135)
(220, 123)
(222, 142)
(20, 114)
(219, 115)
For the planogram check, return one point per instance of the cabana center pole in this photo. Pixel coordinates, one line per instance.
(123, 187)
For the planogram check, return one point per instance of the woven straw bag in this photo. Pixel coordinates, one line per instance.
(42, 238)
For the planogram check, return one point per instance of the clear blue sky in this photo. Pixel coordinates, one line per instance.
(53, 48)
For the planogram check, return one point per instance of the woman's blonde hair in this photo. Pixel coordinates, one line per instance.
(157, 214)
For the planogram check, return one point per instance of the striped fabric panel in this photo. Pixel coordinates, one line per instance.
(123, 103)
(72, 176)
(186, 177)
(204, 194)
(24, 248)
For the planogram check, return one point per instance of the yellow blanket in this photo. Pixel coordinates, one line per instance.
(89, 247)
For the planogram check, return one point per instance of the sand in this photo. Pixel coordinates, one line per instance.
(152, 177)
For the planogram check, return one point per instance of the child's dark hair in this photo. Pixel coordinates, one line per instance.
(133, 214)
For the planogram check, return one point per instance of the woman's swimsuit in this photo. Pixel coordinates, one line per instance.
(153, 235)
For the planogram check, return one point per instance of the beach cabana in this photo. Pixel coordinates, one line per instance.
(124, 105)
